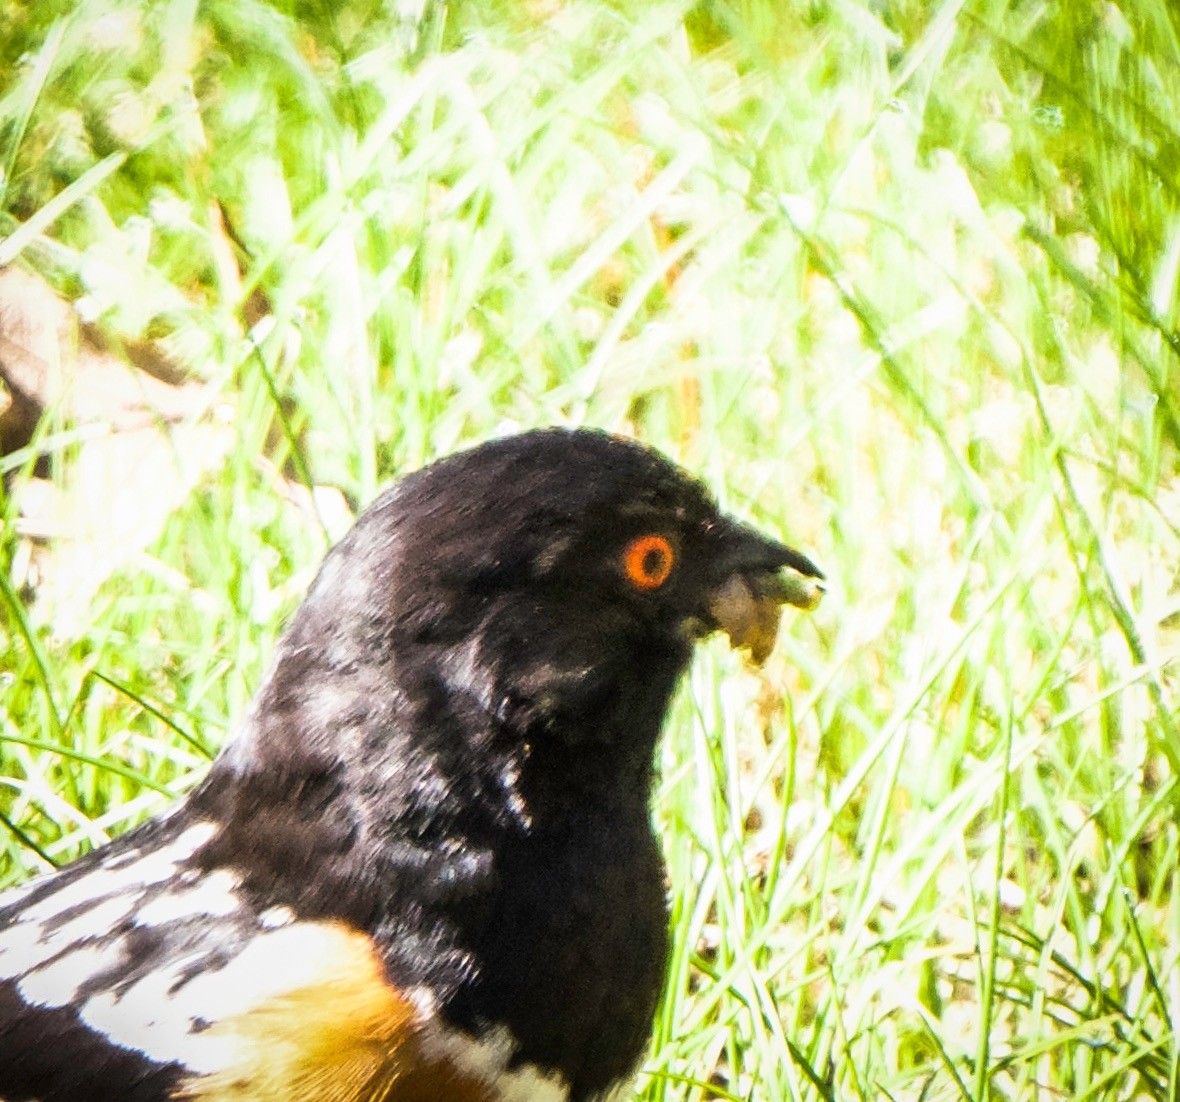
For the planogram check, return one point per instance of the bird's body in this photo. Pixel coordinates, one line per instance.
(423, 869)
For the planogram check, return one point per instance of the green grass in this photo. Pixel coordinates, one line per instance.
(898, 279)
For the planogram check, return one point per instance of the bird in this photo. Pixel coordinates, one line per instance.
(423, 866)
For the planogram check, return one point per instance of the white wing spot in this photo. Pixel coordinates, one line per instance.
(146, 1018)
(57, 984)
(211, 895)
(22, 949)
(98, 921)
(271, 963)
(86, 889)
(25, 946)
(153, 867)
(274, 918)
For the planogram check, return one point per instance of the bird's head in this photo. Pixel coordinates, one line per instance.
(549, 585)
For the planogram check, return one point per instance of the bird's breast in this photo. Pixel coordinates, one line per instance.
(570, 952)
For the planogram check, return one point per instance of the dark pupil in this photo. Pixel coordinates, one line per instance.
(653, 562)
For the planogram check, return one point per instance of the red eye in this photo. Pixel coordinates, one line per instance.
(648, 560)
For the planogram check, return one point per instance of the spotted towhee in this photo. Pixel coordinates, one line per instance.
(423, 868)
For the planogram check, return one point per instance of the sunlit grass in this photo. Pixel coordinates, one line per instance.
(899, 280)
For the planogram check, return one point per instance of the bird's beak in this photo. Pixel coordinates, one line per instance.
(755, 576)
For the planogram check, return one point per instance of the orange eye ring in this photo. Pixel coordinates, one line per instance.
(648, 561)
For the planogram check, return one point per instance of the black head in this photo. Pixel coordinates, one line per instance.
(547, 586)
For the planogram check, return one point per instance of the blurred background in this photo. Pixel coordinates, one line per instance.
(898, 279)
